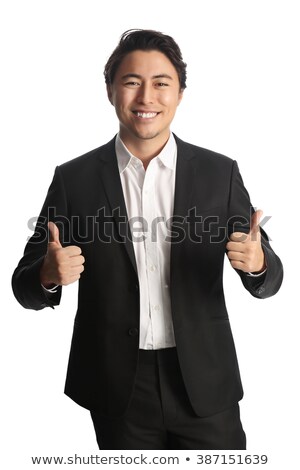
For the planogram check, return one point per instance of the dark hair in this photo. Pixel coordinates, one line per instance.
(145, 40)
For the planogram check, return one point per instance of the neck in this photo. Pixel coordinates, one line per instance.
(145, 149)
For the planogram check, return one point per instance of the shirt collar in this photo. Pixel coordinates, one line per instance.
(167, 156)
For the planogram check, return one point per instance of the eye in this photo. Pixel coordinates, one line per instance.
(132, 84)
(162, 84)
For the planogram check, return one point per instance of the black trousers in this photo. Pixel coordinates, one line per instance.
(160, 415)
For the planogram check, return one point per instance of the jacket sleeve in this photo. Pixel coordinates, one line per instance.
(26, 277)
(240, 211)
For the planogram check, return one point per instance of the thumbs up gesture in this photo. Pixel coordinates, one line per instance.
(244, 250)
(61, 266)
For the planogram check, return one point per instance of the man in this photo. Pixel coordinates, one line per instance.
(143, 223)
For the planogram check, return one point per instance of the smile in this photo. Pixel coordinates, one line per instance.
(145, 115)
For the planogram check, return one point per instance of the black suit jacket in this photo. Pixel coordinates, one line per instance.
(86, 201)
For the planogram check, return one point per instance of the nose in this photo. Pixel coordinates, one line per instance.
(146, 94)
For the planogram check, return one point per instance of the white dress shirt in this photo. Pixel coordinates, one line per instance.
(149, 196)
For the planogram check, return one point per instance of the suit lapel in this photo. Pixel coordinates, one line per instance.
(184, 179)
(111, 180)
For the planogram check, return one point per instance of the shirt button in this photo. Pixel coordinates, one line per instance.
(156, 307)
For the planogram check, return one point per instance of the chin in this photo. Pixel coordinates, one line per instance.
(147, 135)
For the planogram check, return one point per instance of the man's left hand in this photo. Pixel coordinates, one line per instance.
(244, 250)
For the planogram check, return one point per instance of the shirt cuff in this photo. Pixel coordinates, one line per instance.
(257, 275)
(52, 290)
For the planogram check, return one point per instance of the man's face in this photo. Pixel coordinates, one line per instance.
(145, 93)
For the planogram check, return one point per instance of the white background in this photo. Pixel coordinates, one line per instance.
(242, 100)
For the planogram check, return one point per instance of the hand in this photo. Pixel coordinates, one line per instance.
(244, 250)
(61, 266)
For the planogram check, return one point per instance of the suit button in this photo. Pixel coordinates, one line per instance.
(260, 290)
(133, 331)
(133, 288)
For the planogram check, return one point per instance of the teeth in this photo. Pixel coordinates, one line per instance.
(145, 115)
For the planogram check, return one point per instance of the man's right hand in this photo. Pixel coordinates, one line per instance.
(61, 266)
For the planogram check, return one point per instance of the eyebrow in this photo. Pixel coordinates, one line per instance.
(135, 75)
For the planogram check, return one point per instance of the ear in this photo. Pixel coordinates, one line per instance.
(180, 96)
(109, 93)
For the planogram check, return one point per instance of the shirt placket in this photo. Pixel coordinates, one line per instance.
(156, 329)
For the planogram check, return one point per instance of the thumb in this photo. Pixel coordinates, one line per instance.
(254, 226)
(54, 234)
